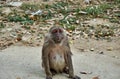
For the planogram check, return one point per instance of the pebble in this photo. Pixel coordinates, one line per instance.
(101, 52)
(92, 49)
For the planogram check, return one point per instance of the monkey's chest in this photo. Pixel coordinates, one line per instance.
(57, 61)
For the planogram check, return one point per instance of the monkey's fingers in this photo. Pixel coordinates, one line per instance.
(66, 70)
(48, 77)
(76, 77)
(53, 72)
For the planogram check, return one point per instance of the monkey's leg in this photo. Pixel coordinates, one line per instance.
(47, 68)
(70, 66)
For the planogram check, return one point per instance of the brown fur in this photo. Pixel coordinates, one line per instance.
(56, 56)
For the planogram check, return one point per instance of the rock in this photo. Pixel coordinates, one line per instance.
(87, 1)
(109, 49)
(77, 21)
(115, 57)
(82, 12)
(39, 12)
(3, 30)
(9, 29)
(26, 38)
(15, 4)
(92, 49)
(85, 35)
(13, 35)
(6, 11)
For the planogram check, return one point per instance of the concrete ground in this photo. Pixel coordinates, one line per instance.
(21, 62)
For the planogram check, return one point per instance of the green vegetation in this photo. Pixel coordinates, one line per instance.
(2, 25)
(30, 21)
(97, 9)
(23, 19)
(16, 18)
(71, 15)
(32, 7)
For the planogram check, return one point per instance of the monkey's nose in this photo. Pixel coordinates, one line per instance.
(54, 57)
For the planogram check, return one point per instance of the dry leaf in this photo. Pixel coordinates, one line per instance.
(95, 77)
(83, 72)
(109, 49)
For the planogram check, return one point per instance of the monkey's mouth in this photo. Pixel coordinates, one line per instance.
(58, 39)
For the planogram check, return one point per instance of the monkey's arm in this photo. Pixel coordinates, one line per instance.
(70, 65)
(65, 42)
(45, 59)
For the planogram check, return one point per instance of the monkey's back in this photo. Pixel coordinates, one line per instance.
(57, 58)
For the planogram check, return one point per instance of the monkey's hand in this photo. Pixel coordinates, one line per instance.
(48, 77)
(76, 77)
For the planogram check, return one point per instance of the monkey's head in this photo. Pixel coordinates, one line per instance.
(57, 34)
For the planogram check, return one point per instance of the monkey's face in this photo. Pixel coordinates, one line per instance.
(57, 34)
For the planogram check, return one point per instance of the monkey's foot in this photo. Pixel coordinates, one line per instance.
(48, 77)
(53, 72)
(66, 70)
(76, 77)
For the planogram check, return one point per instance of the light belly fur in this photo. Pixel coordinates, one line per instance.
(58, 62)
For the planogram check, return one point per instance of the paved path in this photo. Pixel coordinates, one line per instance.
(20, 62)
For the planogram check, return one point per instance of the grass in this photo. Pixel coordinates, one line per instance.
(94, 10)
(48, 15)
(97, 9)
(72, 17)
(15, 18)
(24, 20)
(117, 1)
(2, 25)
(31, 7)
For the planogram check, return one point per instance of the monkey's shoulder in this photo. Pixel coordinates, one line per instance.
(48, 43)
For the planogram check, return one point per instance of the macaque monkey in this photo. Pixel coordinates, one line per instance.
(56, 54)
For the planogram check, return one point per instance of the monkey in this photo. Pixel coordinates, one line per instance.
(56, 53)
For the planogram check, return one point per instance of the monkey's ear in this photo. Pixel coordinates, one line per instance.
(65, 32)
(46, 37)
(48, 40)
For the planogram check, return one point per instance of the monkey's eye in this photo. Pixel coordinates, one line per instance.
(60, 31)
(54, 31)
(57, 31)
